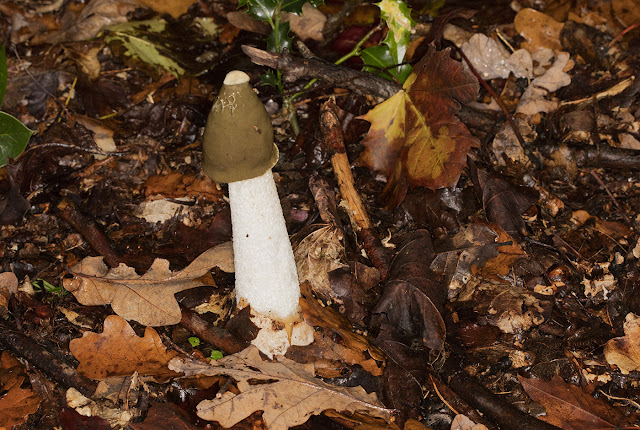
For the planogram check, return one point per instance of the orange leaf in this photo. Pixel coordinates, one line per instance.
(415, 133)
(118, 351)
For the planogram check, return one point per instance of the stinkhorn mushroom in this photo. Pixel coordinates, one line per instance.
(238, 149)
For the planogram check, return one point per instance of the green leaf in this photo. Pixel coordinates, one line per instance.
(194, 341)
(261, 9)
(279, 38)
(293, 6)
(379, 60)
(269, 78)
(215, 355)
(139, 39)
(397, 15)
(14, 137)
(3, 73)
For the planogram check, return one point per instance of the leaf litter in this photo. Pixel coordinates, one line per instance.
(533, 267)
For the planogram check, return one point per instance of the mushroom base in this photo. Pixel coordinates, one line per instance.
(276, 335)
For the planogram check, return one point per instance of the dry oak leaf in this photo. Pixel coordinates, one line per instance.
(570, 407)
(624, 352)
(415, 133)
(148, 299)
(286, 392)
(17, 403)
(119, 351)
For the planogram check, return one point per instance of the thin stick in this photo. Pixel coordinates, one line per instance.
(611, 196)
(334, 143)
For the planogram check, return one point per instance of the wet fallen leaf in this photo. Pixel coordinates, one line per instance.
(624, 352)
(119, 351)
(570, 407)
(16, 403)
(8, 286)
(412, 301)
(415, 134)
(492, 60)
(286, 392)
(148, 299)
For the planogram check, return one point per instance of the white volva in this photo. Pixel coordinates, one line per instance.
(266, 275)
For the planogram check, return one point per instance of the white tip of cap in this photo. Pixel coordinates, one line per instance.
(236, 77)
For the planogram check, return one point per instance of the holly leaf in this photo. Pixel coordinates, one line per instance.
(379, 60)
(148, 299)
(287, 392)
(397, 15)
(261, 9)
(390, 53)
(279, 38)
(415, 135)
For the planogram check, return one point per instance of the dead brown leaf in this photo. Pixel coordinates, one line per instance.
(540, 30)
(570, 407)
(624, 352)
(148, 299)
(118, 351)
(317, 254)
(352, 348)
(286, 392)
(177, 185)
(17, 403)
(412, 300)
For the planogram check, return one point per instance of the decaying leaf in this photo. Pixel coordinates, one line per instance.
(510, 308)
(624, 352)
(477, 247)
(148, 299)
(336, 340)
(570, 407)
(412, 300)
(415, 135)
(286, 392)
(316, 255)
(119, 351)
(16, 404)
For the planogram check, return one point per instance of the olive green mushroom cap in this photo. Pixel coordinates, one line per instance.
(238, 137)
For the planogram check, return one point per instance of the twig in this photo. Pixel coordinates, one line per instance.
(505, 415)
(611, 196)
(216, 336)
(495, 97)
(334, 144)
(89, 230)
(295, 68)
(25, 347)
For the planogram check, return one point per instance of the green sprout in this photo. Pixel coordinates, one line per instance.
(40, 285)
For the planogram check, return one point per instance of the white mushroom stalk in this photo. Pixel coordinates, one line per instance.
(238, 149)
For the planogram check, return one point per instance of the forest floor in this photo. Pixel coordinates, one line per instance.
(465, 226)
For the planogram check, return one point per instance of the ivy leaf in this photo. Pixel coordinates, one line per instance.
(261, 9)
(279, 38)
(415, 137)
